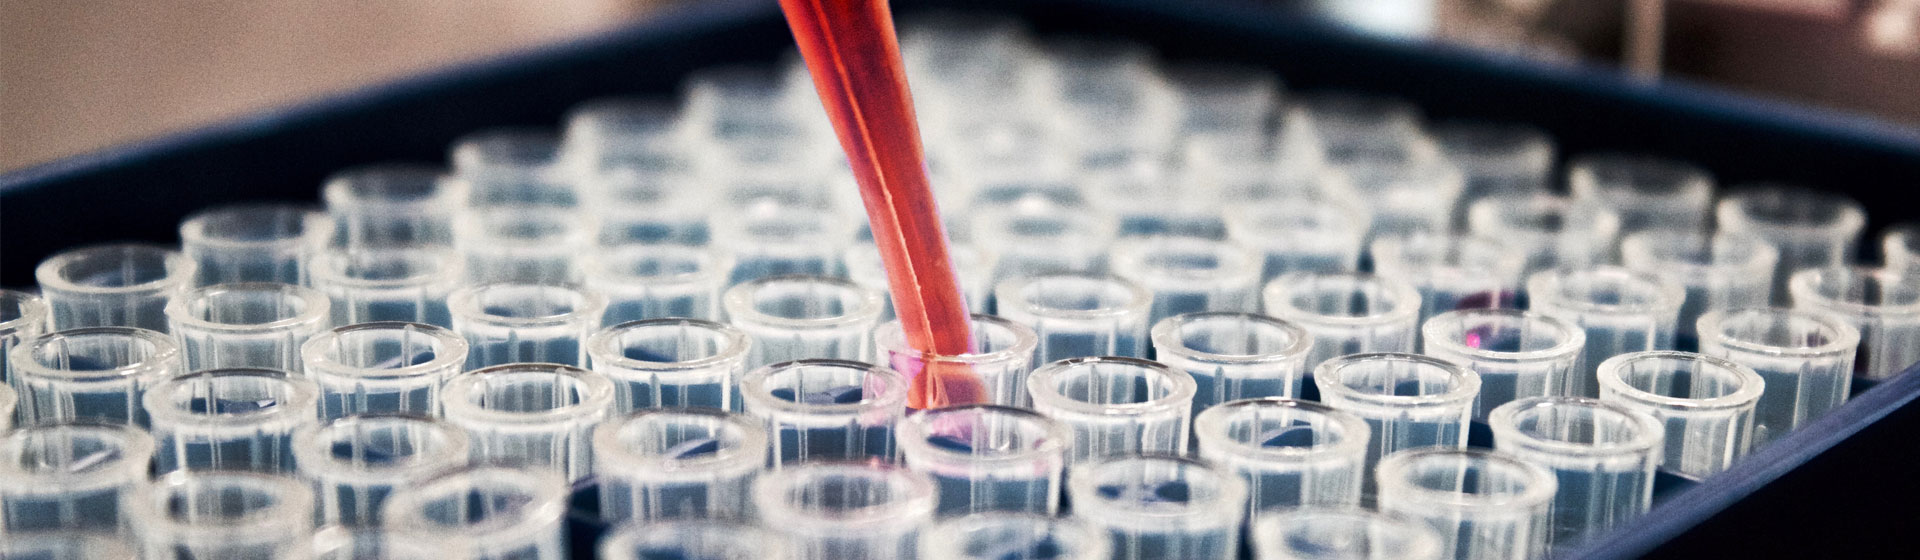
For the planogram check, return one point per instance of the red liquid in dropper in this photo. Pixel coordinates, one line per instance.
(851, 50)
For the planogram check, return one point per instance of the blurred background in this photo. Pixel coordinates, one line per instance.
(81, 75)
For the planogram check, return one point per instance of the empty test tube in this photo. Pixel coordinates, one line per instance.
(1014, 536)
(1291, 453)
(1884, 304)
(1621, 311)
(644, 207)
(804, 317)
(95, 374)
(1602, 456)
(513, 167)
(1234, 355)
(678, 463)
(393, 205)
(657, 281)
(702, 539)
(224, 514)
(121, 285)
(389, 284)
(253, 243)
(1411, 193)
(1805, 357)
(1078, 315)
(1550, 231)
(1034, 236)
(59, 477)
(1001, 358)
(1161, 507)
(1408, 400)
(1518, 354)
(768, 238)
(1646, 192)
(1705, 403)
(66, 545)
(1115, 406)
(22, 317)
(1323, 533)
(357, 461)
(845, 511)
(1726, 271)
(1485, 505)
(826, 409)
(512, 323)
(484, 513)
(1358, 126)
(1301, 235)
(1346, 313)
(1188, 275)
(246, 325)
(671, 363)
(1810, 228)
(987, 458)
(1498, 159)
(383, 367)
(240, 419)
(534, 245)
(1451, 272)
(537, 416)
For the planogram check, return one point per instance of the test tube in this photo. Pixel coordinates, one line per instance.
(383, 367)
(1451, 272)
(356, 462)
(513, 167)
(1705, 403)
(513, 323)
(826, 409)
(651, 207)
(1346, 313)
(1518, 354)
(393, 205)
(253, 243)
(119, 285)
(1884, 304)
(239, 419)
(845, 511)
(1621, 311)
(94, 374)
(1498, 159)
(1899, 248)
(484, 513)
(1014, 536)
(1810, 228)
(670, 363)
(538, 416)
(246, 325)
(657, 281)
(768, 239)
(1357, 126)
(987, 458)
(524, 244)
(1301, 235)
(59, 477)
(1234, 355)
(1291, 453)
(803, 317)
(22, 317)
(1161, 507)
(686, 463)
(1484, 504)
(1602, 456)
(1035, 236)
(1221, 96)
(1001, 358)
(1115, 406)
(1411, 193)
(66, 545)
(224, 514)
(1551, 231)
(1805, 357)
(1322, 533)
(973, 265)
(621, 132)
(1646, 192)
(388, 284)
(1407, 400)
(1078, 315)
(1726, 271)
(1188, 274)
(706, 540)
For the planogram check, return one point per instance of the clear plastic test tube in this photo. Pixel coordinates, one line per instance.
(657, 281)
(987, 458)
(246, 325)
(357, 461)
(239, 419)
(526, 244)
(1020, 536)
(224, 514)
(1518, 354)
(1346, 313)
(393, 205)
(1646, 192)
(1291, 453)
(513, 167)
(845, 511)
(1484, 504)
(1407, 400)
(1078, 315)
(1189, 274)
(1115, 406)
(1726, 271)
(767, 238)
(1551, 231)
(532, 416)
(671, 363)
(973, 265)
(689, 539)
(1035, 236)
(253, 243)
(826, 409)
(1332, 533)
(484, 513)
(1621, 310)
(1451, 272)
(22, 317)
(119, 285)
(383, 367)
(1301, 235)
(1705, 403)
(94, 374)
(677, 463)
(1001, 358)
(1498, 159)
(803, 317)
(515, 323)
(1161, 507)
(388, 284)
(1602, 456)
(1805, 357)
(59, 477)
(1410, 193)
(1234, 355)
(1884, 304)
(1810, 228)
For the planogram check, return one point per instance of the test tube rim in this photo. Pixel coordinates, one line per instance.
(475, 226)
(547, 490)
(307, 456)
(1845, 335)
(1042, 389)
(1575, 339)
(599, 269)
(1848, 223)
(1354, 219)
(1489, 217)
(339, 192)
(890, 339)
(451, 351)
(912, 432)
(1354, 437)
(609, 450)
(919, 502)
(1230, 503)
(294, 500)
(1751, 385)
(1466, 381)
(301, 399)
(1508, 266)
(180, 269)
(595, 395)
(314, 226)
(1138, 298)
(166, 352)
(1166, 338)
(738, 303)
(136, 447)
(1537, 495)
(1087, 544)
(473, 151)
(314, 308)
(34, 312)
(1236, 262)
(1641, 243)
(1405, 300)
(1649, 436)
(1695, 183)
(464, 304)
(626, 537)
(329, 268)
(893, 395)
(1424, 542)
(603, 346)
(1803, 287)
(1669, 294)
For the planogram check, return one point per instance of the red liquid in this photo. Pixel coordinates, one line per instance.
(850, 49)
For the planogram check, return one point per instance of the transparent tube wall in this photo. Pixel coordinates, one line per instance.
(533, 245)
(393, 205)
(1301, 235)
(1705, 403)
(1497, 159)
(973, 265)
(1035, 238)
(671, 363)
(1161, 508)
(369, 285)
(1649, 193)
(1341, 533)
(1809, 228)
(484, 513)
(229, 419)
(1234, 355)
(1621, 311)
(1484, 504)
(1291, 453)
(1408, 400)
(1189, 275)
(993, 536)
(1346, 313)
(253, 243)
(1805, 358)
(22, 317)
(804, 317)
(513, 323)
(383, 367)
(704, 539)
(1451, 272)
(826, 409)
(768, 239)
(1726, 271)
(987, 458)
(1883, 304)
(513, 168)
(74, 545)
(845, 511)
(71, 477)
(538, 416)
(357, 461)
(246, 325)
(1518, 354)
(667, 464)
(120, 285)
(1552, 232)
(1002, 357)
(224, 515)
(1602, 456)
(1079, 316)
(657, 281)
(1115, 406)
(95, 374)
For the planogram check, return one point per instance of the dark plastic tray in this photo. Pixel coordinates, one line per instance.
(1841, 487)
